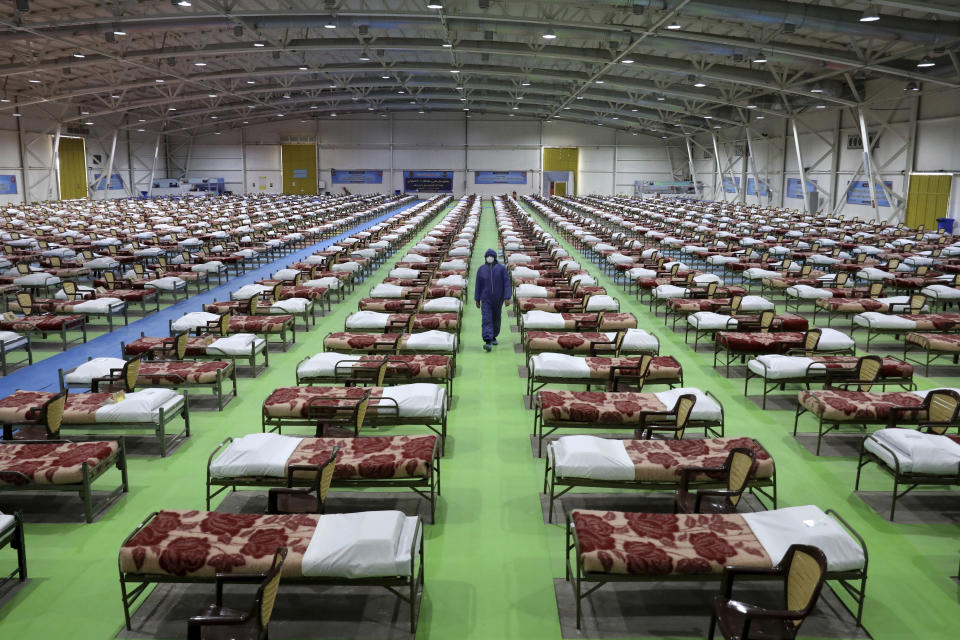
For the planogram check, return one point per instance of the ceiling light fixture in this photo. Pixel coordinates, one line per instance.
(211, 95)
(912, 86)
(79, 55)
(816, 89)
(549, 35)
(251, 82)
(434, 5)
(759, 58)
(926, 63)
(627, 61)
(303, 68)
(33, 81)
(751, 106)
(446, 45)
(674, 26)
(330, 24)
(183, 3)
(119, 32)
(870, 15)
(259, 44)
(699, 84)
(141, 130)
(159, 80)
(199, 64)
(365, 58)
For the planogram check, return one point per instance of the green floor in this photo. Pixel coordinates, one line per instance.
(490, 560)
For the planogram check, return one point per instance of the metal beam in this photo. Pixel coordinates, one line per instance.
(803, 173)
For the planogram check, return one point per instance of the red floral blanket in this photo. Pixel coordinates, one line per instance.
(51, 463)
(24, 406)
(41, 323)
(662, 460)
(593, 407)
(935, 321)
(260, 324)
(660, 544)
(661, 367)
(568, 341)
(869, 407)
(199, 544)
(180, 372)
(301, 402)
(850, 305)
(196, 345)
(430, 321)
(368, 458)
(760, 343)
(944, 342)
(388, 305)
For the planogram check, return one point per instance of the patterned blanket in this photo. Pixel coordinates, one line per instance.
(41, 323)
(662, 460)
(760, 343)
(868, 407)
(196, 345)
(24, 406)
(358, 341)
(660, 544)
(593, 407)
(260, 324)
(942, 342)
(179, 372)
(199, 544)
(51, 463)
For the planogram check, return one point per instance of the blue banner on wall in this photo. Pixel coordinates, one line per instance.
(299, 173)
(116, 182)
(731, 185)
(356, 176)
(752, 188)
(8, 185)
(859, 193)
(793, 188)
(500, 177)
(432, 181)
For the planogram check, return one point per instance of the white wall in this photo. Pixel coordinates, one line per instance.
(610, 161)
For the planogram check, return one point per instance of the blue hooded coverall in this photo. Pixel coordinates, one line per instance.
(492, 288)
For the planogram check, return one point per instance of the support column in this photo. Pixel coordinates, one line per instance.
(835, 169)
(719, 178)
(783, 165)
(316, 138)
(392, 183)
(113, 151)
(615, 147)
(743, 174)
(153, 169)
(693, 169)
(753, 167)
(868, 163)
(243, 160)
(131, 185)
(23, 158)
(803, 172)
(55, 161)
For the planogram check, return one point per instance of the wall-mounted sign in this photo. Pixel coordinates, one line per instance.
(752, 188)
(731, 185)
(299, 173)
(356, 176)
(793, 188)
(431, 181)
(8, 185)
(116, 182)
(859, 193)
(500, 177)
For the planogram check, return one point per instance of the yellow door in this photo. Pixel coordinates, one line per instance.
(299, 163)
(73, 168)
(927, 199)
(560, 189)
(562, 159)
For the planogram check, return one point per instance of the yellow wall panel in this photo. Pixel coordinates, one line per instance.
(299, 162)
(563, 159)
(927, 199)
(73, 168)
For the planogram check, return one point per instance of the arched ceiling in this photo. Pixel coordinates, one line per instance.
(656, 67)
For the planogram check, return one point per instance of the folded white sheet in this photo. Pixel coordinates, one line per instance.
(255, 454)
(404, 272)
(531, 291)
(708, 320)
(669, 291)
(327, 282)
(249, 291)
(239, 344)
(455, 280)
(367, 320)
(776, 530)
(139, 406)
(542, 321)
(445, 304)
(170, 283)
(778, 367)
(191, 321)
(591, 458)
(559, 365)
(755, 303)
(705, 408)
(418, 400)
(602, 303)
(290, 305)
(525, 272)
(370, 544)
(95, 368)
(433, 340)
(806, 292)
(916, 452)
(326, 364)
(879, 320)
(639, 341)
(99, 305)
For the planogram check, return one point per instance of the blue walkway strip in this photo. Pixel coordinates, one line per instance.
(42, 375)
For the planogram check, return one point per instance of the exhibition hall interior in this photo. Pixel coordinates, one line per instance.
(479, 319)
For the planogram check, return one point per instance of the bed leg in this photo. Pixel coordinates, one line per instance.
(86, 494)
(893, 498)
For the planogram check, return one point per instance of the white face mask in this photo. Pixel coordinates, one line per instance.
(490, 259)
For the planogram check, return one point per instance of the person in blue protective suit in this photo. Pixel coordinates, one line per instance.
(491, 292)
